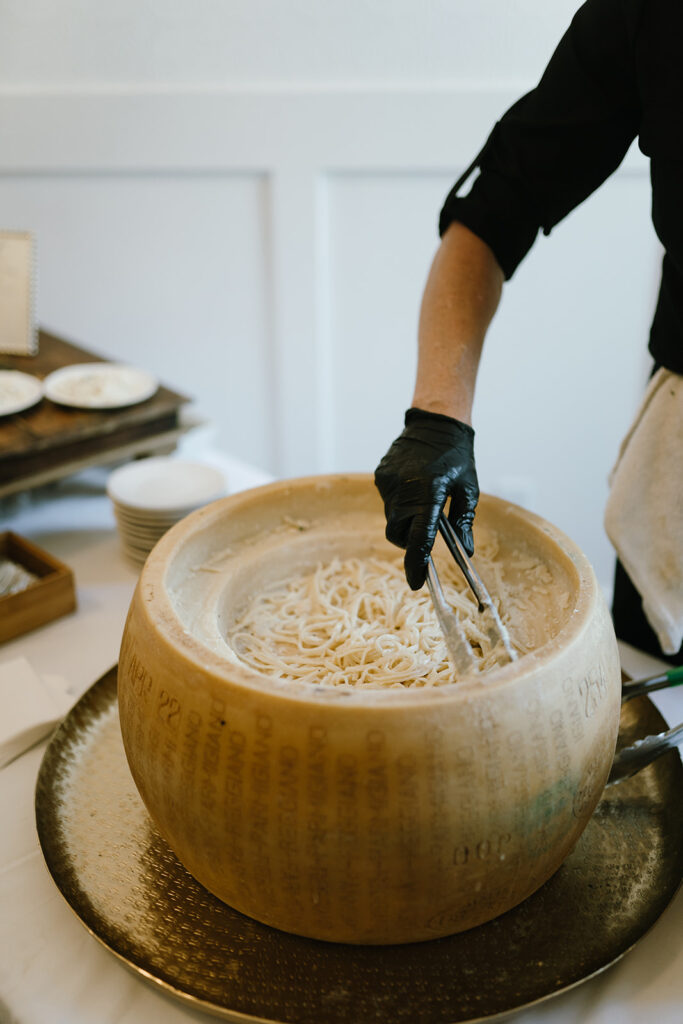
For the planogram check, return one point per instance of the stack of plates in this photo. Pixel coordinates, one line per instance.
(150, 495)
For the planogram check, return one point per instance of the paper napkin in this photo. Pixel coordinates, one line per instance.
(31, 705)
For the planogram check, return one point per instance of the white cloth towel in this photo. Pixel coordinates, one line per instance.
(644, 511)
(31, 705)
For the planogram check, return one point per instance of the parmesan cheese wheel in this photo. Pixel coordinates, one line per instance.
(382, 815)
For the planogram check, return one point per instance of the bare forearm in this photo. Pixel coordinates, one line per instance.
(460, 298)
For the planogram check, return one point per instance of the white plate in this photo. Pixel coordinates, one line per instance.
(138, 550)
(18, 391)
(162, 484)
(139, 538)
(142, 527)
(142, 517)
(100, 385)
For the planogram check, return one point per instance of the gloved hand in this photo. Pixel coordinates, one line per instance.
(432, 460)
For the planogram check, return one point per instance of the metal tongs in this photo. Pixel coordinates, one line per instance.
(630, 760)
(458, 647)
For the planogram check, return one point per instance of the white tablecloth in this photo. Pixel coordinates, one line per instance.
(52, 971)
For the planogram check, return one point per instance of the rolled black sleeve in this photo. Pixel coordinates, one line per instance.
(558, 143)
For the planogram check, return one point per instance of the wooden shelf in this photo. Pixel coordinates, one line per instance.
(50, 441)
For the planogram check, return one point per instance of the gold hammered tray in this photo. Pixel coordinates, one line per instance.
(130, 891)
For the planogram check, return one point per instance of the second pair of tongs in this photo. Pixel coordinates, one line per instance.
(630, 760)
(458, 647)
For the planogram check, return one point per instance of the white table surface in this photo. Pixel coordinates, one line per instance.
(52, 971)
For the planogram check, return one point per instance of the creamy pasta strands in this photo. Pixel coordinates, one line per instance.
(355, 622)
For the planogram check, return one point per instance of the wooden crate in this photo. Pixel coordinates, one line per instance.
(53, 594)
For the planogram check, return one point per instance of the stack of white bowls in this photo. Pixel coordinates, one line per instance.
(152, 494)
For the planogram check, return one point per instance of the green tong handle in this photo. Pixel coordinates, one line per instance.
(636, 688)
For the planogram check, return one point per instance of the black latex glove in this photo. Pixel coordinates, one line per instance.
(432, 460)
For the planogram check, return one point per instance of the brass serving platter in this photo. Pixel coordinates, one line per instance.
(127, 887)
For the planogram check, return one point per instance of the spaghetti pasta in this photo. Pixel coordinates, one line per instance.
(355, 622)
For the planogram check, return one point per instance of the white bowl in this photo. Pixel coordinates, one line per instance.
(165, 486)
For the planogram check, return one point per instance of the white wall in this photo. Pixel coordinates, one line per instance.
(208, 43)
(243, 198)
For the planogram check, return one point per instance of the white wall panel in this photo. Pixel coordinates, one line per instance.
(293, 139)
(170, 272)
(382, 237)
(288, 234)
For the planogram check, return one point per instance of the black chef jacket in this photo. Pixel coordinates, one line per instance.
(617, 73)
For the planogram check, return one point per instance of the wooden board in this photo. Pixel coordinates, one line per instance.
(49, 440)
